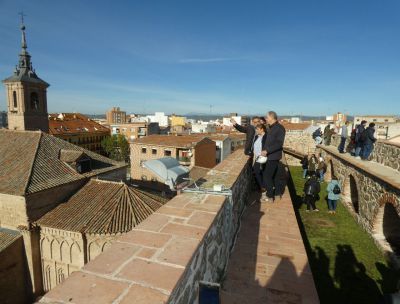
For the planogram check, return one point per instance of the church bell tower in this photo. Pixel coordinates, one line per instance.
(26, 94)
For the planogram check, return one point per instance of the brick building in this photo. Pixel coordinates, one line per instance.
(190, 150)
(78, 230)
(116, 116)
(135, 130)
(38, 172)
(79, 130)
(26, 94)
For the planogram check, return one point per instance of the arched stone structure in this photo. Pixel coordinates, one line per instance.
(386, 228)
(374, 201)
(350, 193)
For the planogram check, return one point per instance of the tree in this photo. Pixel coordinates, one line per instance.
(116, 147)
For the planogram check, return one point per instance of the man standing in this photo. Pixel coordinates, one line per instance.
(359, 138)
(273, 148)
(343, 137)
(311, 191)
(368, 142)
(250, 133)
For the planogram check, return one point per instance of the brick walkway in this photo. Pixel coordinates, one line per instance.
(269, 262)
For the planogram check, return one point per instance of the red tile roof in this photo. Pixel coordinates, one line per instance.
(103, 207)
(30, 162)
(73, 123)
(184, 141)
(295, 126)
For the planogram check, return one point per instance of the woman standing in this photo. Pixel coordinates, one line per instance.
(321, 169)
(334, 191)
(259, 161)
(312, 165)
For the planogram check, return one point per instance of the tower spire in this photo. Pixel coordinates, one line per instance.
(23, 41)
(24, 64)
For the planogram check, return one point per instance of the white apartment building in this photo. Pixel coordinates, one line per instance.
(159, 117)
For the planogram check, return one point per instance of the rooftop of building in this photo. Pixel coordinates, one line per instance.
(290, 126)
(103, 207)
(7, 237)
(32, 161)
(73, 123)
(180, 141)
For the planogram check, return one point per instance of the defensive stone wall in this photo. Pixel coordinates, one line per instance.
(385, 152)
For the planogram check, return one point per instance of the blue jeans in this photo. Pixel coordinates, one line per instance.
(332, 204)
(321, 175)
(367, 149)
(342, 143)
(359, 147)
(304, 173)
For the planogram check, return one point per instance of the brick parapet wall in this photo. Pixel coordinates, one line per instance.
(163, 259)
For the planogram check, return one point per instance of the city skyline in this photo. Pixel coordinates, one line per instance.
(308, 58)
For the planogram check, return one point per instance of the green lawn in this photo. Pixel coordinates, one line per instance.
(346, 264)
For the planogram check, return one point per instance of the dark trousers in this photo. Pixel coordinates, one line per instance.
(258, 173)
(270, 170)
(366, 151)
(342, 143)
(310, 202)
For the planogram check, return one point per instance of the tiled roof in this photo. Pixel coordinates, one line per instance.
(30, 162)
(70, 156)
(103, 207)
(73, 123)
(184, 141)
(295, 126)
(7, 237)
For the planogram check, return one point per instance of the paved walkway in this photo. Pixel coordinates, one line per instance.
(269, 263)
(385, 173)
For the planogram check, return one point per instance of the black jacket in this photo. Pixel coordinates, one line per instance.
(304, 163)
(274, 142)
(250, 132)
(359, 130)
(315, 187)
(369, 139)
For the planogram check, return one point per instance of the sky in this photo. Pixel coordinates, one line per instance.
(295, 57)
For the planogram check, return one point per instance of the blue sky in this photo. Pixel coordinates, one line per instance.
(295, 57)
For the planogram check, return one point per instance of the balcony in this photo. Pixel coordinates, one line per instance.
(184, 160)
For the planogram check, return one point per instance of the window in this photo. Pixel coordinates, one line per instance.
(154, 179)
(141, 163)
(83, 166)
(154, 151)
(34, 101)
(144, 150)
(15, 104)
(167, 152)
(144, 178)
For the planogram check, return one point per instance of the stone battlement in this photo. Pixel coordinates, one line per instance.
(385, 152)
(163, 259)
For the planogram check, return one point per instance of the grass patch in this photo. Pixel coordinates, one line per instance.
(347, 265)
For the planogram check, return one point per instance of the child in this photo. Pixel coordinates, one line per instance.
(334, 191)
